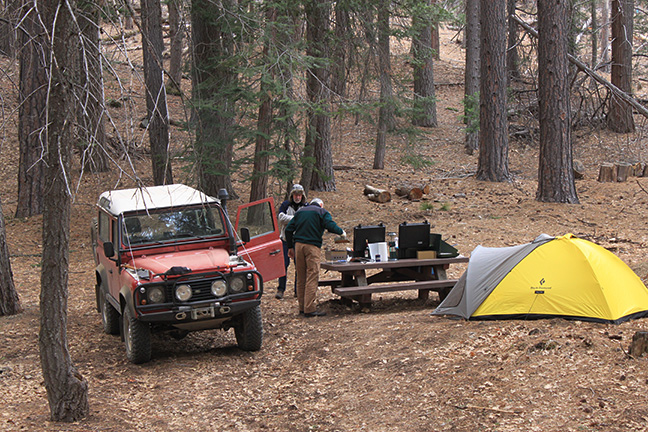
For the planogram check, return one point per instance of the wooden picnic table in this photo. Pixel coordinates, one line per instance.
(424, 275)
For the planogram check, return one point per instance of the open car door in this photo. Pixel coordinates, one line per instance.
(265, 249)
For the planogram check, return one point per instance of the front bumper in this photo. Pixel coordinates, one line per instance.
(204, 307)
(203, 311)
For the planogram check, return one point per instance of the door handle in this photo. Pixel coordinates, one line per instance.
(275, 252)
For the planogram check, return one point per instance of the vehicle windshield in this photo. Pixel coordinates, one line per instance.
(172, 224)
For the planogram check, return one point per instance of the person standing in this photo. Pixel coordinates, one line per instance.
(287, 210)
(304, 237)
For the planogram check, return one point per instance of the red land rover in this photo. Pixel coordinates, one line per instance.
(168, 258)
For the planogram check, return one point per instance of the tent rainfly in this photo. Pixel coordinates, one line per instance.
(550, 277)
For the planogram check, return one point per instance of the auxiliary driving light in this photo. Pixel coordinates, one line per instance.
(219, 288)
(183, 292)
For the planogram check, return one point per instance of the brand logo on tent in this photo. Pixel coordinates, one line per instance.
(541, 288)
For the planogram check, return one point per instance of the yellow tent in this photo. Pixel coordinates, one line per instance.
(550, 277)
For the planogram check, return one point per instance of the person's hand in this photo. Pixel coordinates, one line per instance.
(291, 253)
(343, 235)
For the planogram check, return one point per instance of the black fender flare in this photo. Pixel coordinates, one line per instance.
(101, 285)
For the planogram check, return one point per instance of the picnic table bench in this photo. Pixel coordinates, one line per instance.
(424, 275)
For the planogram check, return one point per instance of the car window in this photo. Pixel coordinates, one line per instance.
(258, 219)
(161, 226)
(115, 232)
(104, 227)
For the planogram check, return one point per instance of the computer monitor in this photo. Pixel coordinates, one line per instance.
(413, 237)
(366, 234)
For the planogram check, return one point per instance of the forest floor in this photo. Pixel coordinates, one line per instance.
(391, 368)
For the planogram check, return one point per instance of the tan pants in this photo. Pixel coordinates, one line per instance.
(307, 268)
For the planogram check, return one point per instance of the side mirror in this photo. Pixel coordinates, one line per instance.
(109, 249)
(245, 234)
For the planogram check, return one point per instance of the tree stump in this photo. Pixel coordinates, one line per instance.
(624, 170)
(377, 195)
(413, 193)
(607, 173)
(639, 344)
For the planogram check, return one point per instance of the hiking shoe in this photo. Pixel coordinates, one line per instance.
(315, 314)
(279, 295)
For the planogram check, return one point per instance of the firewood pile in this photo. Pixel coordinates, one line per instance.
(620, 172)
(410, 192)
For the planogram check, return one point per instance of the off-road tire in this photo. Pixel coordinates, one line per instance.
(109, 316)
(137, 338)
(249, 330)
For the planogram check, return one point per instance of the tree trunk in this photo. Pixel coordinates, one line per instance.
(156, 102)
(605, 35)
(9, 300)
(386, 112)
(493, 125)
(214, 84)
(90, 115)
(620, 114)
(424, 112)
(471, 76)
(128, 18)
(556, 171)
(435, 40)
(258, 189)
(368, 18)
(67, 390)
(289, 34)
(594, 35)
(31, 116)
(340, 47)
(512, 56)
(318, 85)
(176, 33)
(8, 37)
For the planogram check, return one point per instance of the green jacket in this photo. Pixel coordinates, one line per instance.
(308, 225)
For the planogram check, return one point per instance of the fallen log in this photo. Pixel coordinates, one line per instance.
(377, 195)
(413, 193)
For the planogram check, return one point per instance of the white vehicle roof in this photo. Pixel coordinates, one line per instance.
(147, 198)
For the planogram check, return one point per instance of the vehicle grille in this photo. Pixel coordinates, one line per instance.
(200, 290)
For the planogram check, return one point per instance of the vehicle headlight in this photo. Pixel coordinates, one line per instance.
(183, 292)
(219, 288)
(237, 284)
(155, 295)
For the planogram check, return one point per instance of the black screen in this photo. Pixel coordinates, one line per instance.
(366, 234)
(412, 238)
